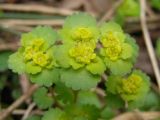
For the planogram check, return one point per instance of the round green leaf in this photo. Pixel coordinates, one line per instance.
(61, 55)
(53, 114)
(126, 51)
(88, 98)
(41, 98)
(4, 55)
(46, 77)
(40, 32)
(112, 83)
(119, 67)
(107, 113)
(82, 112)
(135, 49)
(32, 68)
(97, 67)
(16, 63)
(79, 79)
(64, 94)
(79, 20)
(114, 101)
(110, 26)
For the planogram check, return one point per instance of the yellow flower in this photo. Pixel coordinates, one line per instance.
(82, 53)
(41, 59)
(131, 85)
(37, 43)
(82, 34)
(29, 53)
(32, 49)
(112, 46)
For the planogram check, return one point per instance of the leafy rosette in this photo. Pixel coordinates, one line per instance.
(131, 88)
(77, 54)
(118, 49)
(80, 27)
(35, 56)
(82, 67)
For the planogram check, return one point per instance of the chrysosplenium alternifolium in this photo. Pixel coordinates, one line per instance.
(85, 52)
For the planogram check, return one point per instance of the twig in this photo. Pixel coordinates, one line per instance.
(149, 11)
(109, 14)
(148, 42)
(13, 22)
(21, 112)
(17, 103)
(28, 111)
(148, 19)
(131, 28)
(36, 8)
(20, 28)
(8, 46)
(133, 116)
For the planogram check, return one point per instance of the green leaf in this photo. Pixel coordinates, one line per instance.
(129, 8)
(82, 112)
(75, 64)
(40, 32)
(16, 63)
(131, 41)
(120, 19)
(3, 79)
(53, 114)
(112, 83)
(32, 68)
(4, 55)
(111, 26)
(114, 101)
(126, 51)
(150, 101)
(61, 55)
(155, 4)
(88, 98)
(97, 67)
(27, 38)
(79, 20)
(119, 67)
(41, 98)
(107, 113)
(79, 79)
(64, 94)
(46, 77)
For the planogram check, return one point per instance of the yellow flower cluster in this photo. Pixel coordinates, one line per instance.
(34, 53)
(82, 34)
(112, 45)
(82, 53)
(131, 85)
